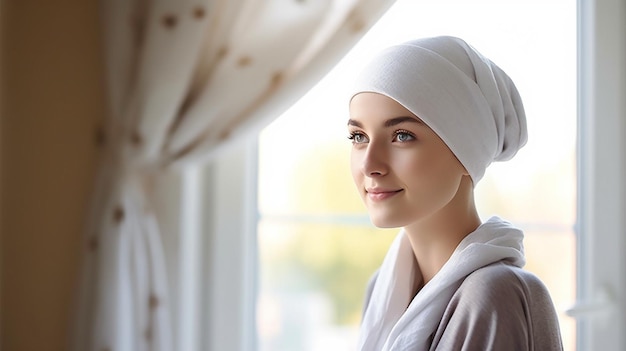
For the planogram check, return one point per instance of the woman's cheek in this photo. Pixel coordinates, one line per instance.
(355, 167)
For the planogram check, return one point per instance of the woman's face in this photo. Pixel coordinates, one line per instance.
(403, 171)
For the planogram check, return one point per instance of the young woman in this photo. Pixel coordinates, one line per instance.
(426, 119)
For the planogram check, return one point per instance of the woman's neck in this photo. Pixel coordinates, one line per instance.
(434, 239)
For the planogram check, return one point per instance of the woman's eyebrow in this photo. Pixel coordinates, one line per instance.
(352, 122)
(397, 120)
(390, 122)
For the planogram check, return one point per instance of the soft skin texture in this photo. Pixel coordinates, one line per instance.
(408, 177)
(404, 172)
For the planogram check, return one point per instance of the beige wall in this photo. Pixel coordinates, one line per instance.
(51, 104)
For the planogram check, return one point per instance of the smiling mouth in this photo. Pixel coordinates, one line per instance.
(382, 195)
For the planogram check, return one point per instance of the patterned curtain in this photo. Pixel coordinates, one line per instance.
(184, 80)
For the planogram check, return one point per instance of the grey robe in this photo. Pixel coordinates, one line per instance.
(497, 307)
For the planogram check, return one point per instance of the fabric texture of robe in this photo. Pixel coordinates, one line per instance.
(480, 300)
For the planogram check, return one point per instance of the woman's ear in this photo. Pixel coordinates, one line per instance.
(466, 178)
(469, 177)
(465, 172)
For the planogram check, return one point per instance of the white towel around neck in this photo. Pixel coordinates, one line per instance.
(389, 325)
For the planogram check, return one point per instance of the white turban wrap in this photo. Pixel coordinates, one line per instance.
(466, 99)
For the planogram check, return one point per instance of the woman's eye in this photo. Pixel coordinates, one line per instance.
(403, 136)
(357, 138)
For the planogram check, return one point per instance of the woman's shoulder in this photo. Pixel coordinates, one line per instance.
(503, 277)
(503, 286)
(500, 306)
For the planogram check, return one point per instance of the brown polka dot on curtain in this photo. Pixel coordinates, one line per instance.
(244, 61)
(223, 135)
(222, 52)
(118, 214)
(276, 79)
(135, 139)
(153, 301)
(169, 21)
(92, 244)
(356, 21)
(198, 13)
(357, 25)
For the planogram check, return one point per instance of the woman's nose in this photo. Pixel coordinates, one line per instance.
(374, 161)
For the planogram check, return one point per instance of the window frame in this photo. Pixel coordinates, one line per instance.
(601, 201)
(227, 238)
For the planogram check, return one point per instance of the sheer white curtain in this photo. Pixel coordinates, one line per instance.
(185, 79)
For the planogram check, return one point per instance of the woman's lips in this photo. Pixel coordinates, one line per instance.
(376, 194)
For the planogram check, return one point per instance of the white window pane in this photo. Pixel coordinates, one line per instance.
(312, 282)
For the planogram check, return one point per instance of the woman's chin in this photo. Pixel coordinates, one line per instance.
(385, 222)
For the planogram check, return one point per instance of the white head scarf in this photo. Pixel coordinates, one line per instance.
(466, 99)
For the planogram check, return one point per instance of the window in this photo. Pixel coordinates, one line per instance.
(602, 167)
(316, 245)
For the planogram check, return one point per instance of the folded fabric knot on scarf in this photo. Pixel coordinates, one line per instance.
(466, 99)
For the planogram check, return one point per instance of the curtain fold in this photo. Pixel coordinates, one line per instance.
(185, 79)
